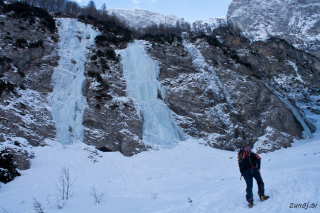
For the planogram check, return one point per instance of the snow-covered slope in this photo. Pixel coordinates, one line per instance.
(296, 21)
(140, 18)
(191, 177)
(210, 24)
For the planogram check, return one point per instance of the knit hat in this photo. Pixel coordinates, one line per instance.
(247, 150)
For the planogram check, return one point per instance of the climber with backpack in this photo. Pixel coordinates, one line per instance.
(249, 165)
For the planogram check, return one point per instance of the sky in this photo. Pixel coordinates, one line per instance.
(190, 10)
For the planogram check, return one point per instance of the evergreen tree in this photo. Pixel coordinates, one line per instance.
(104, 9)
(92, 8)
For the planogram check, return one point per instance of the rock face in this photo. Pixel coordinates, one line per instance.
(233, 93)
(296, 21)
(27, 59)
(27, 54)
(209, 25)
(111, 120)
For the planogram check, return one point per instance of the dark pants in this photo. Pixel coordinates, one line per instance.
(248, 175)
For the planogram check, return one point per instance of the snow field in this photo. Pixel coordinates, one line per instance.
(166, 180)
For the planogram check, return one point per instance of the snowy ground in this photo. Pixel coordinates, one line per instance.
(188, 178)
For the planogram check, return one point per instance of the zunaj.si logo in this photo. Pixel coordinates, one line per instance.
(303, 205)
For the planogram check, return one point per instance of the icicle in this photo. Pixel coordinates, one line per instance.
(296, 70)
(67, 101)
(141, 72)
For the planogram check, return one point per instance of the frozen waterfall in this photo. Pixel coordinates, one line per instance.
(294, 111)
(200, 63)
(141, 72)
(67, 101)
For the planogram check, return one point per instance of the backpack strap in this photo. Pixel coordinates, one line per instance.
(243, 155)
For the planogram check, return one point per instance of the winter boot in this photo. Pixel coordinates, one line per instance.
(263, 198)
(250, 203)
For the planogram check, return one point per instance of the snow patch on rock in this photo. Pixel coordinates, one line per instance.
(140, 18)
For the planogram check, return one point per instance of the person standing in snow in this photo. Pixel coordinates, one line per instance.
(249, 165)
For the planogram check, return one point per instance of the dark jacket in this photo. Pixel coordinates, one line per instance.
(247, 162)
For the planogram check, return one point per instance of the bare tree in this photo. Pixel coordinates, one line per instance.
(186, 27)
(72, 8)
(50, 5)
(60, 4)
(37, 206)
(65, 183)
(60, 204)
(178, 25)
(62, 185)
(43, 4)
(98, 197)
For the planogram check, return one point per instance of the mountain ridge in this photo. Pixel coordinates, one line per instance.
(295, 21)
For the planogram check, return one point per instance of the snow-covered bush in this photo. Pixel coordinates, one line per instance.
(7, 167)
(97, 196)
(37, 206)
(6, 86)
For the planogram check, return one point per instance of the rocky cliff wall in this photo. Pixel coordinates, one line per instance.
(111, 120)
(27, 59)
(223, 88)
(296, 21)
(232, 92)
